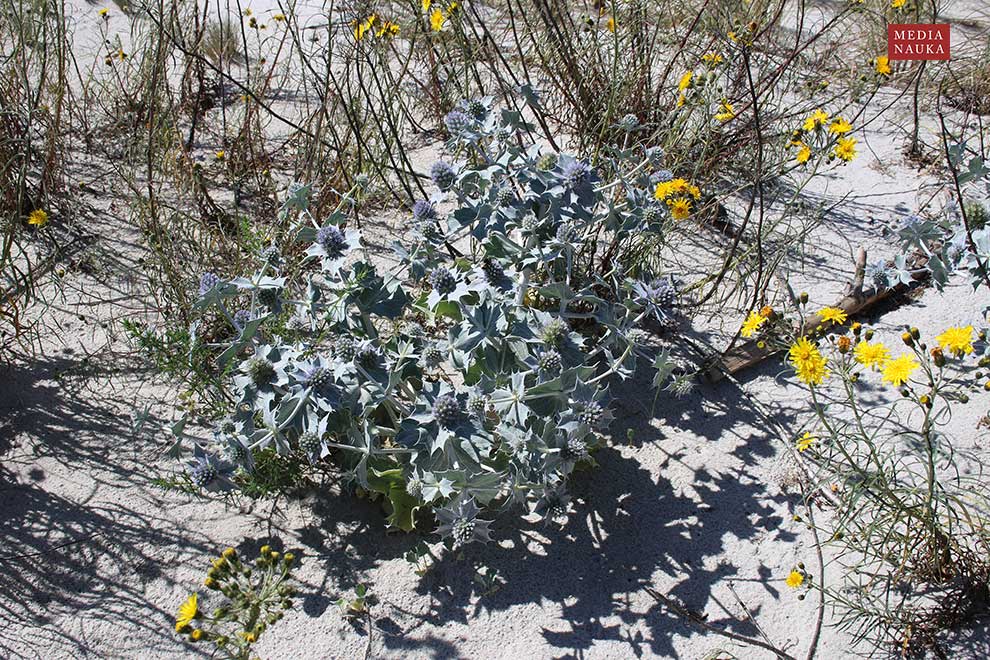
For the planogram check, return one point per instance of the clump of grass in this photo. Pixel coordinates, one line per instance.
(34, 114)
(221, 43)
(968, 89)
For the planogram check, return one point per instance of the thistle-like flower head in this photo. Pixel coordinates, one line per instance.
(423, 211)
(447, 410)
(443, 281)
(332, 240)
(207, 282)
(443, 175)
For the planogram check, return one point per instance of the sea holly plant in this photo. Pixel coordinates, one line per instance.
(953, 240)
(471, 380)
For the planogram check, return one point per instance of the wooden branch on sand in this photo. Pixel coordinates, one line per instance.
(852, 303)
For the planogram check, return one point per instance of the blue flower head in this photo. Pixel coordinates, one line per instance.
(423, 210)
(443, 175)
(332, 240)
(207, 282)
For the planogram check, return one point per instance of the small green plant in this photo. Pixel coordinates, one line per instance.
(357, 606)
(255, 597)
(487, 580)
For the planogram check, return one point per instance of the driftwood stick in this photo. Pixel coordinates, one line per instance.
(700, 620)
(852, 303)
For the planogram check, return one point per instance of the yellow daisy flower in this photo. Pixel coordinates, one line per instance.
(832, 315)
(795, 579)
(896, 372)
(871, 355)
(801, 351)
(680, 208)
(839, 126)
(726, 111)
(674, 187)
(610, 24)
(364, 27)
(817, 118)
(803, 154)
(387, 29)
(882, 65)
(187, 612)
(805, 441)
(752, 324)
(845, 149)
(813, 371)
(685, 81)
(437, 19)
(957, 340)
(38, 218)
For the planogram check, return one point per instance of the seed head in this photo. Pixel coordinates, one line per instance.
(432, 355)
(574, 449)
(576, 173)
(241, 317)
(366, 355)
(591, 413)
(566, 233)
(203, 474)
(271, 255)
(344, 349)
(478, 405)
(268, 297)
(553, 333)
(547, 162)
(458, 123)
(447, 410)
(477, 109)
(628, 123)
(309, 442)
(260, 370)
(550, 362)
(651, 213)
(462, 531)
(414, 486)
(493, 270)
(661, 176)
(443, 281)
(504, 197)
(423, 211)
